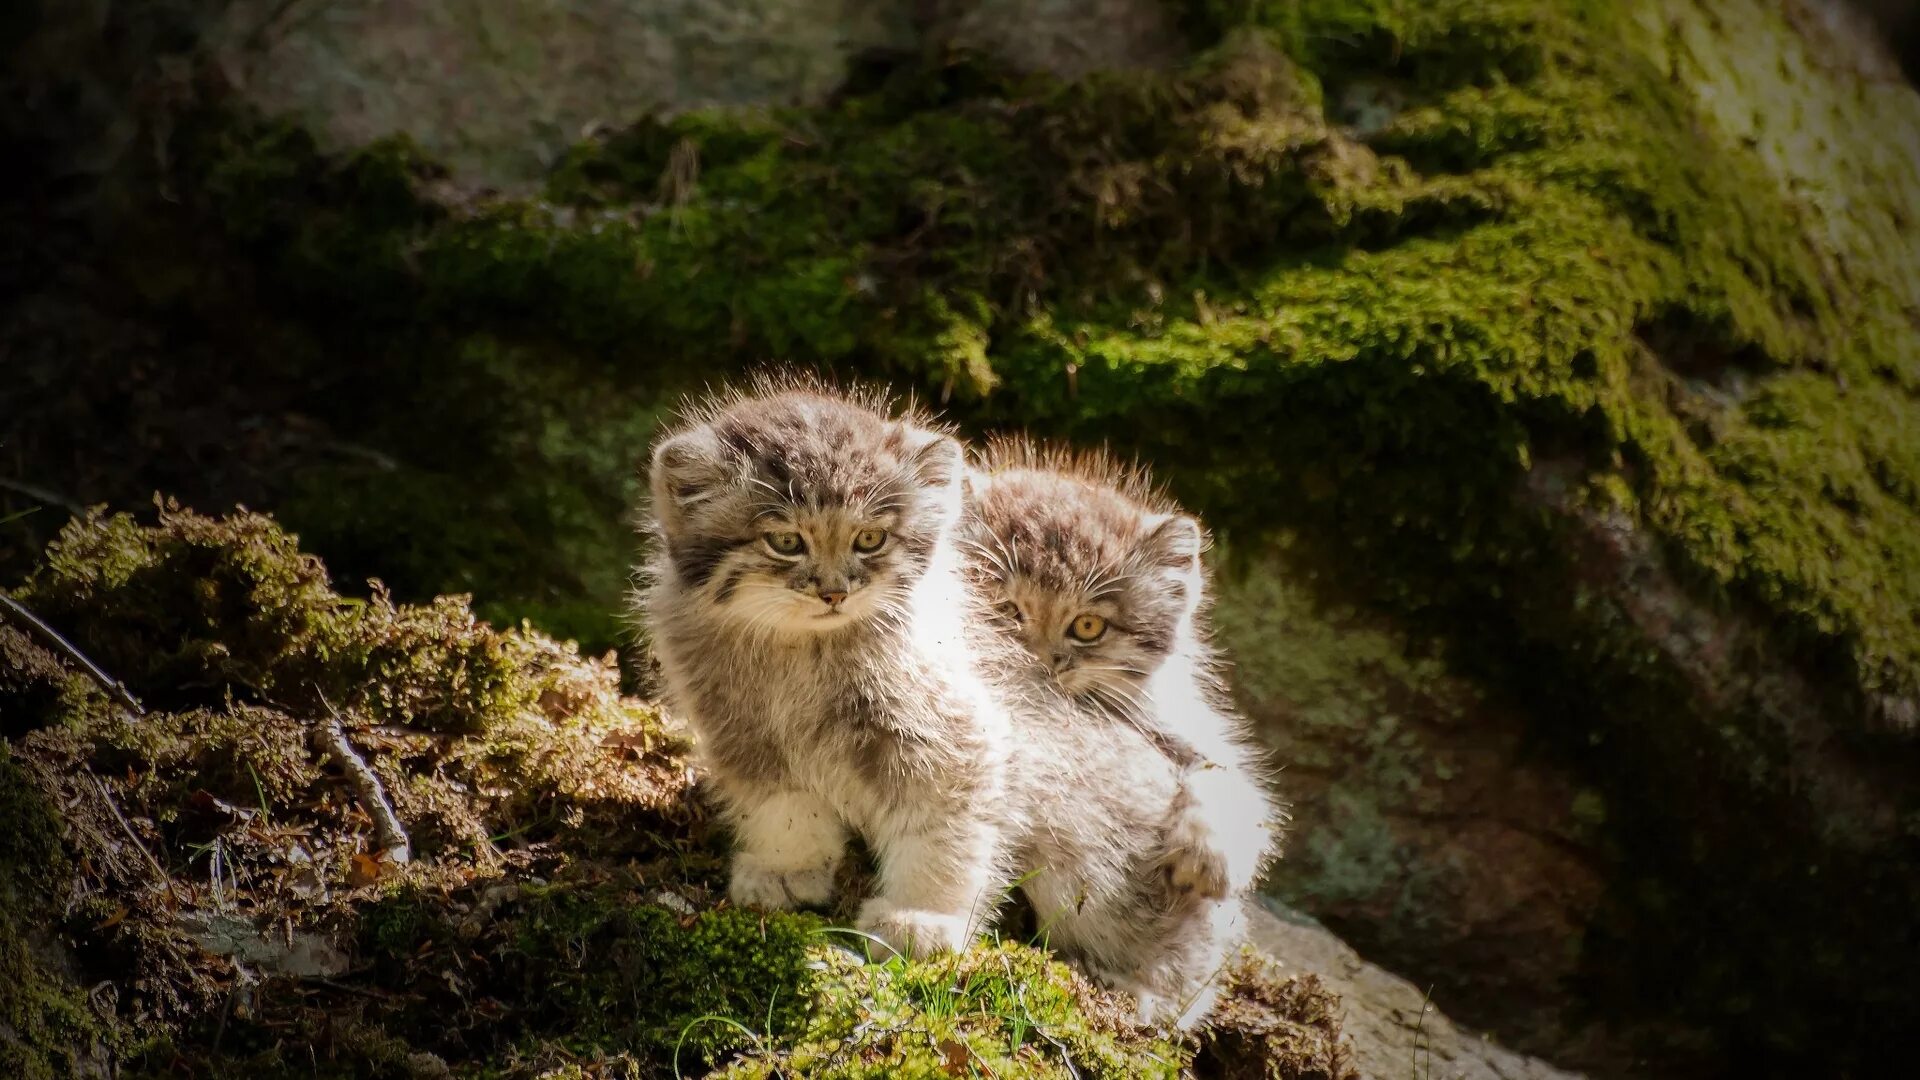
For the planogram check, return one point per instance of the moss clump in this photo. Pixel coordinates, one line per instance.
(1272, 1028)
(223, 814)
(48, 1029)
(655, 983)
(233, 605)
(589, 963)
(1001, 1011)
(239, 634)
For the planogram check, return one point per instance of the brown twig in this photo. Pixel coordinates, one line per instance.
(43, 496)
(127, 827)
(330, 739)
(51, 637)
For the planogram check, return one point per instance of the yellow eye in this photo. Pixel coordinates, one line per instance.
(1087, 629)
(785, 543)
(868, 541)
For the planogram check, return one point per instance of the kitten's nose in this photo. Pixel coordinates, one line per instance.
(833, 597)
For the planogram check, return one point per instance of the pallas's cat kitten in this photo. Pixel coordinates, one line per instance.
(1099, 575)
(819, 631)
(806, 603)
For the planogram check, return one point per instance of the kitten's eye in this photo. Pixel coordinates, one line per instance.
(1087, 629)
(868, 541)
(785, 543)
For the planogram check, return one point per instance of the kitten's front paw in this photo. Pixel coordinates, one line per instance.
(911, 931)
(1195, 861)
(755, 884)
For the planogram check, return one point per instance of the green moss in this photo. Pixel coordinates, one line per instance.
(220, 606)
(35, 688)
(593, 967)
(1395, 326)
(643, 978)
(47, 1027)
(1001, 1011)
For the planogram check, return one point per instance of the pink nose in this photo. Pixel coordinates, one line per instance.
(833, 599)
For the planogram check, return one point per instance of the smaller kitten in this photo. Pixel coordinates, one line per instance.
(1099, 575)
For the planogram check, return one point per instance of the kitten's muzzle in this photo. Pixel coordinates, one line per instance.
(833, 597)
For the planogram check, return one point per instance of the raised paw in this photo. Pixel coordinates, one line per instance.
(755, 884)
(1195, 862)
(911, 931)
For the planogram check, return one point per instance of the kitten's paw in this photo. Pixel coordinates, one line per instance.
(911, 931)
(755, 884)
(1195, 861)
(1152, 1010)
(1158, 1010)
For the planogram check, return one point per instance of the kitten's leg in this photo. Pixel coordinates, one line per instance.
(1220, 833)
(1179, 983)
(938, 883)
(788, 846)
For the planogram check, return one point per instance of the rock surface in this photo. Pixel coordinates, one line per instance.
(1428, 824)
(1396, 1030)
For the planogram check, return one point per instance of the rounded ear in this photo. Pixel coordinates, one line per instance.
(684, 471)
(939, 460)
(1176, 542)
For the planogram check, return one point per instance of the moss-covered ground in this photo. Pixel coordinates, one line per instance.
(196, 889)
(1449, 296)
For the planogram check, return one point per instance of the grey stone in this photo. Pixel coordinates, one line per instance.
(1396, 1031)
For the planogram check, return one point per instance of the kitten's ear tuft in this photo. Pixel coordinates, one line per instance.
(1177, 542)
(939, 460)
(685, 470)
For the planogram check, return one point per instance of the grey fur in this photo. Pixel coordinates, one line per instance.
(899, 712)
(1056, 536)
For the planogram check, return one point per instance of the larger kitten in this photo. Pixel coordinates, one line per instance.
(1099, 576)
(812, 623)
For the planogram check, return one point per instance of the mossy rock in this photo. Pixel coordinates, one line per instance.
(1574, 340)
(1356, 268)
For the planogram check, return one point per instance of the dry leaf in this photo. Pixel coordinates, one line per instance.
(954, 1056)
(119, 915)
(365, 870)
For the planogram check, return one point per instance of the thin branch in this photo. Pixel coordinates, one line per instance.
(51, 637)
(330, 739)
(127, 827)
(43, 496)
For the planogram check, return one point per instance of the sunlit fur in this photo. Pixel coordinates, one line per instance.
(907, 717)
(814, 719)
(1054, 536)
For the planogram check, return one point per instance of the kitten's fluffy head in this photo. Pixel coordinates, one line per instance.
(1097, 574)
(802, 510)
